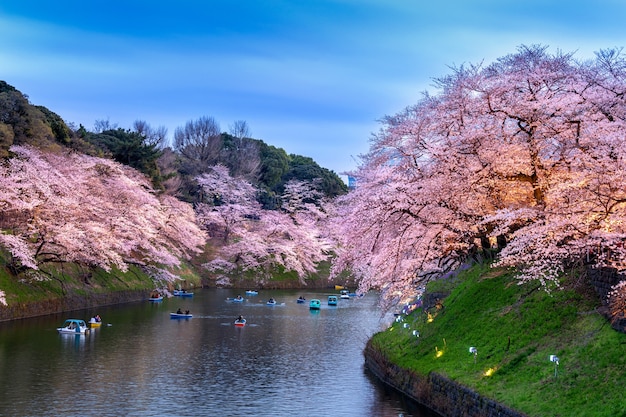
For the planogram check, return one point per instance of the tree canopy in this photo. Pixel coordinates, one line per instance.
(530, 149)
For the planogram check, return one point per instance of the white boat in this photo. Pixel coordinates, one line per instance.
(185, 315)
(344, 294)
(73, 326)
(252, 292)
(271, 302)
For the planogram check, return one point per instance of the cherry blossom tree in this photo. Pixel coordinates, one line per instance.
(529, 149)
(69, 207)
(257, 240)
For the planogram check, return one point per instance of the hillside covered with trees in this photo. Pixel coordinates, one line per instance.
(115, 198)
(520, 161)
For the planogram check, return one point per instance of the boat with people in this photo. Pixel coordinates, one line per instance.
(155, 296)
(315, 304)
(73, 326)
(181, 314)
(240, 321)
(271, 302)
(238, 299)
(344, 294)
(301, 300)
(95, 321)
(252, 292)
(332, 300)
(183, 293)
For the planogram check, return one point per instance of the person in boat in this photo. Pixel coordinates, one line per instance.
(97, 318)
(301, 298)
(240, 319)
(271, 301)
(239, 297)
(186, 311)
(179, 311)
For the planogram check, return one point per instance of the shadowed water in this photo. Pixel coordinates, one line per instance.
(287, 360)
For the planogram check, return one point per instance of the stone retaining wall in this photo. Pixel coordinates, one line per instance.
(445, 397)
(603, 280)
(75, 302)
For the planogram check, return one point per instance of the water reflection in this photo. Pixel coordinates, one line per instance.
(288, 360)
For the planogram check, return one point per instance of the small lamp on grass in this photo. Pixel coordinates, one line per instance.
(555, 359)
(474, 351)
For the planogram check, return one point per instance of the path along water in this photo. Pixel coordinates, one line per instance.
(287, 360)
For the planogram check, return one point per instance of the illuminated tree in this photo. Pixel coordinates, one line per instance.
(529, 149)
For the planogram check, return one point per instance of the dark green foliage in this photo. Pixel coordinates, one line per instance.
(303, 168)
(28, 123)
(129, 148)
(25, 124)
(61, 132)
(274, 164)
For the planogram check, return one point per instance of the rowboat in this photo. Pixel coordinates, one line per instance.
(332, 300)
(155, 295)
(181, 315)
(271, 302)
(252, 292)
(315, 304)
(240, 322)
(345, 294)
(238, 299)
(73, 326)
(301, 300)
(95, 322)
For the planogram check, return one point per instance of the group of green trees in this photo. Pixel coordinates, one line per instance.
(172, 168)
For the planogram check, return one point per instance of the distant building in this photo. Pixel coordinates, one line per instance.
(351, 182)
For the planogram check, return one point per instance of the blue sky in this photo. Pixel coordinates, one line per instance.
(310, 76)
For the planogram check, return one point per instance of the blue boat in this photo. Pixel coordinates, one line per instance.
(315, 304)
(332, 300)
(183, 293)
(301, 300)
(252, 292)
(271, 302)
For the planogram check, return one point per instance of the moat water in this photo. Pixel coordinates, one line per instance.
(287, 360)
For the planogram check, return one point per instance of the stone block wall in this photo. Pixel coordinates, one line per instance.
(445, 397)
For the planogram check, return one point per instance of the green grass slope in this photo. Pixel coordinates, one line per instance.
(515, 329)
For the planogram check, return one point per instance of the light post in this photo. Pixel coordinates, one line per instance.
(555, 359)
(474, 351)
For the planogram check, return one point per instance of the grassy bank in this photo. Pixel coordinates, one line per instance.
(56, 281)
(515, 329)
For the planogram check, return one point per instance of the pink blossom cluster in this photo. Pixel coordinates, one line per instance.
(530, 149)
(261, 241)
(68, 207)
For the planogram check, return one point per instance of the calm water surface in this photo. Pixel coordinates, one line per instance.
(287, 360)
